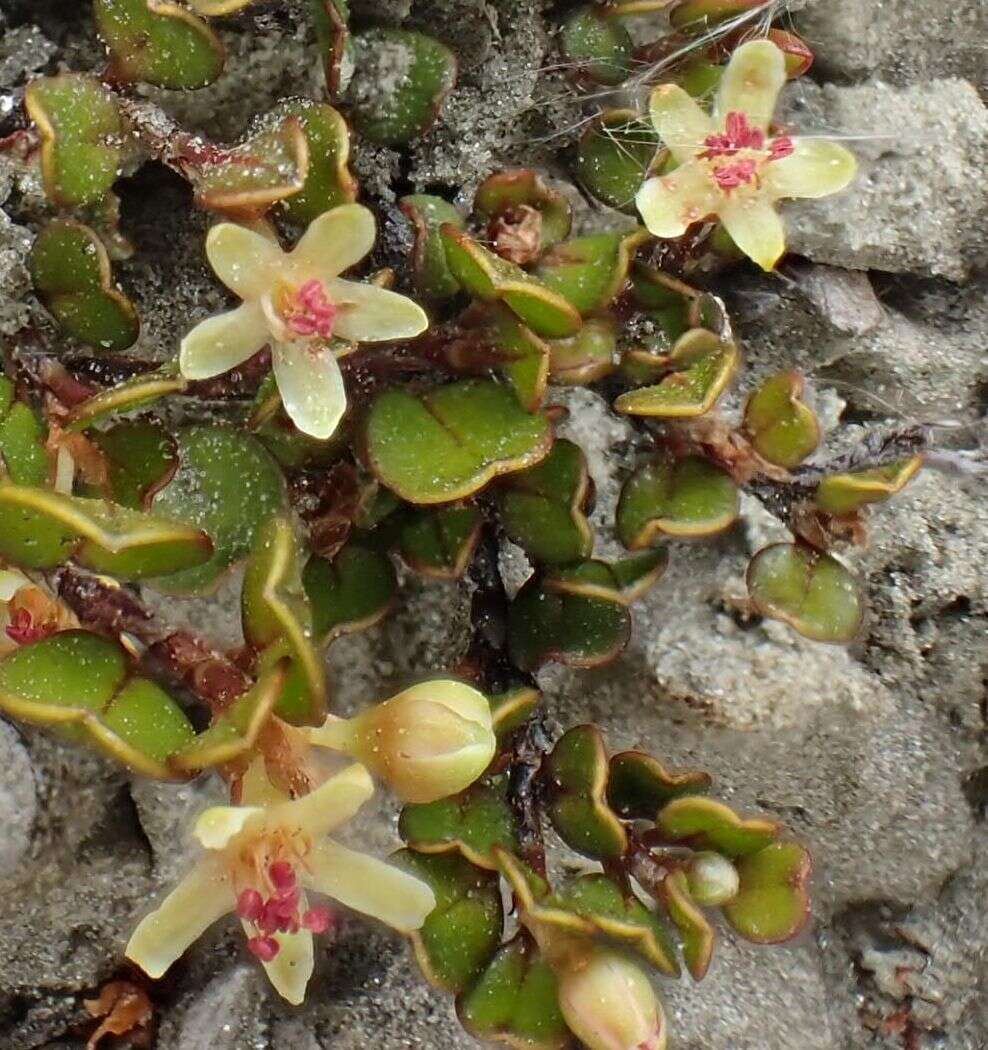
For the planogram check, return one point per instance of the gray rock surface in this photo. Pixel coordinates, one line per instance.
(875, 755)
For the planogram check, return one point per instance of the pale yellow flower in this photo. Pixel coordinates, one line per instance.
(296, 302)
(429, 741)
(728, 165)
(258, 864)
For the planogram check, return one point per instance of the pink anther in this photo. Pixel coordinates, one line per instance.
(738, 135)
(250, 906)
(310, 311)
(782, 147)
(23, 629)
(263, 948)
(318, 919)
(731, 176)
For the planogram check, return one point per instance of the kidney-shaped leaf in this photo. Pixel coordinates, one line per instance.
(71, 273)
(433, 279)
(463, 931)
(515, 1000)
(445, 444)
(542, 508)
(695, 932)
(842, 494)
(85, 684)
(474, 822)
(589, 272)
(700, 367)
(615, 156)
(640, 785)
(772, 904)
(598, 47)
(395, 108)
(158, 42)
(22, 439)
(782, 428)
(682, 498)
(578, 807)
(40, 528)
(350, 593)
(439, 541)
(708, 824)
(81, 134)
(809, 590)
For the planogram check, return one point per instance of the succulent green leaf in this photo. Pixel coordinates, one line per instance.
(433, 279)
(158, 42)
(682, 498)
(773, 903)
(394, 109)
(140, 456)
(463, 931)
(697, 16)
(598, 47)
(444, 444)
(276, 613)
(601, 902)
(490, 278)
(328, 180)
(40, 528)
(349, 593)
(234, 733)
(227, 485)
(546, 623)
(696, 933)
(578, 809)
(81, 137)
(440, 541)
(542, 508)
(705, 823)
(590, 272)
(505, 193)
(615, 156)
(843, 494)
(474, 823)
(84, 684)
(585, 357)
(781, 427)
(515, 1001)
(71, 273)
(246, 180)
(525, 356)
(700, 367)
(809, 590)
(640, 785)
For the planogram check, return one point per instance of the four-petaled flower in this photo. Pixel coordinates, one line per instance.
(297, 302)
(259, 863)
(728, 164)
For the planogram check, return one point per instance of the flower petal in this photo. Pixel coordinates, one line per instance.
(673, 202)
(369, 314)
(751, 83)
(756, 228)
(246, 261)
(289, 971)
(311, 386)
(681, 123)
(202, 897)
(218, 824)
(817, 168)
(368, 885)
(334, 241)
(222, 342)
(333, 803)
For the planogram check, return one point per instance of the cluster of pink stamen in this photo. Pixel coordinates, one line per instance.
(740, 135)
(310, 312)
(280, 912)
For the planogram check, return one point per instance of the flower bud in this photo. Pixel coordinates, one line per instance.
(712, 879)
(427, 742)
(609, 1004)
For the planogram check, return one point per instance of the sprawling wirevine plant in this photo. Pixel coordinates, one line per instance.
(327, 428)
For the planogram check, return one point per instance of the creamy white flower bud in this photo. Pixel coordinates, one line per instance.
(427, 742)
(610, 1005)
(712, 879)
